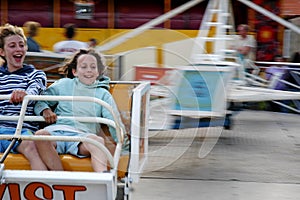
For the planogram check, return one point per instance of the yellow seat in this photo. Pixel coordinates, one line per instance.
(70, 163)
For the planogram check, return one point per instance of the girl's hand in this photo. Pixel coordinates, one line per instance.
(17, 96)
(49, 116)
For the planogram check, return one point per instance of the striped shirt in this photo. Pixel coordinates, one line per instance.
(28, 79)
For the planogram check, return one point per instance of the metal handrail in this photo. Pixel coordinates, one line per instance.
(62, 138)
(22, 117)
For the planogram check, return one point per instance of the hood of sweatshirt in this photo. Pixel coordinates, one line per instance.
(25, 69)
(102, 82)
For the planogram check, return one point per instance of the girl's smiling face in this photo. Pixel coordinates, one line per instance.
(14, 51)
(86, 69)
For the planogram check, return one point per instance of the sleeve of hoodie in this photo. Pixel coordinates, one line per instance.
(42, 105)
(37, 83)
(107, 97)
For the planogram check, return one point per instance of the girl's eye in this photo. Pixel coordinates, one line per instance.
(82, 65)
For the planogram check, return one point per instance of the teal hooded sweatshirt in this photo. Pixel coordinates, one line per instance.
(73, 87)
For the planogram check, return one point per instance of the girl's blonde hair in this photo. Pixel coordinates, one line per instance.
(8, 30)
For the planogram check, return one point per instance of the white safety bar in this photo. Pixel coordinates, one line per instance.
(115, 124)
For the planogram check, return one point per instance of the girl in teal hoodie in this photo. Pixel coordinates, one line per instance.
(85, 78)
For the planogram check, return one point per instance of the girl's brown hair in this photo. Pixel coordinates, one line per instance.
(71, 63)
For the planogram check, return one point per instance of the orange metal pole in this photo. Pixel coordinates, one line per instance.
(111, 14)
(4, 12)
(56, 13)
(167, 8)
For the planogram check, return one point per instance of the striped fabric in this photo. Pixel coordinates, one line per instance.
(28, 79)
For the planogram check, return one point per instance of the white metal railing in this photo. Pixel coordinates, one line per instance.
(113, 160)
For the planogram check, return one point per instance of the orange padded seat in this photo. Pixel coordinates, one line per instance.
(70, 163)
